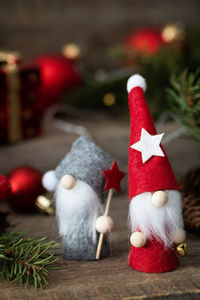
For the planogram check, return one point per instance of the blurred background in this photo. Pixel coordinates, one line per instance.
(42, 26)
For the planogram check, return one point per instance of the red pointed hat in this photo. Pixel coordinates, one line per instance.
(149, 167)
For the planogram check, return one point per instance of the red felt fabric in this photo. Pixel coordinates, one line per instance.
(156, 173)
(113, 177)
(153, 258)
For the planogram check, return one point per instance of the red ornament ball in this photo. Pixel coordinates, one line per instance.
(4, 187)
(146, 41)
(26, 185)
(58, 74)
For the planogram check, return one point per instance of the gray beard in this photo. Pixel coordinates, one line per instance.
(77, 210)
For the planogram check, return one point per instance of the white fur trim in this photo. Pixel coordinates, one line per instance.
(49, 181)
(162, 223)
(136, 80)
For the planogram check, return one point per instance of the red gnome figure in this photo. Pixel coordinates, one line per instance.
(155, 204)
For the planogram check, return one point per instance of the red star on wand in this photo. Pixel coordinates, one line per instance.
(113, 177)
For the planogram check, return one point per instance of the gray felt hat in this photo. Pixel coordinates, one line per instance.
(85, 161)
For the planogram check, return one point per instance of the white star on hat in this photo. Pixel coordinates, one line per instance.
(149, 145)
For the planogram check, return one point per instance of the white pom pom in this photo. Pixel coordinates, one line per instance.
(134, 81)
(49, 181)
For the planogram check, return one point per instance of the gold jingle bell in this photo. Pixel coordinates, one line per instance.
(44, 204)
(182, 249)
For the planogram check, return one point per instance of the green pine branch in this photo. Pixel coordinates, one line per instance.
(184, 101)
(26, 260)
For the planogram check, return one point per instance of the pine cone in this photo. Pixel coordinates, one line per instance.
(190, 190)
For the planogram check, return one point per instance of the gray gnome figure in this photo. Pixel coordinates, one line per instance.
(78, 182)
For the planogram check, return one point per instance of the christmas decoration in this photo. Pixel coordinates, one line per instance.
(45, 205)
(145, 40)
(26, 185)
(5, 189)
(180, 50)
(19, 118)
(184, 101)
(113, 177)
(190, 190)
(148, 43)
(26, 260)
(105, 90)
(142, 44)
(109, 99)
(181, 249)
(143, 145)
(78, 183)
(155, 208)
(10, 57)
(172, 33)
(72, 51)
(58, 75)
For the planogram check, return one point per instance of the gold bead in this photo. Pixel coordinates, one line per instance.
(109, 99)
(71, 51)
(182, 249)
(172, 33)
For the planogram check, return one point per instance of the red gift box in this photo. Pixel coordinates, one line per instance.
(19, 116)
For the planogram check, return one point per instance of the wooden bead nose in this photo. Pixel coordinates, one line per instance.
(68, 182)
(159, 198)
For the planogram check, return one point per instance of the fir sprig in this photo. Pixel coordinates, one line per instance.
(184, 101)
(25, 259)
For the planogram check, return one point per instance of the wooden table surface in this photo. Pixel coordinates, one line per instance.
(110, 278)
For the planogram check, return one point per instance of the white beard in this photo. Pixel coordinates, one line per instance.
(76, 210)
(161, 223)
